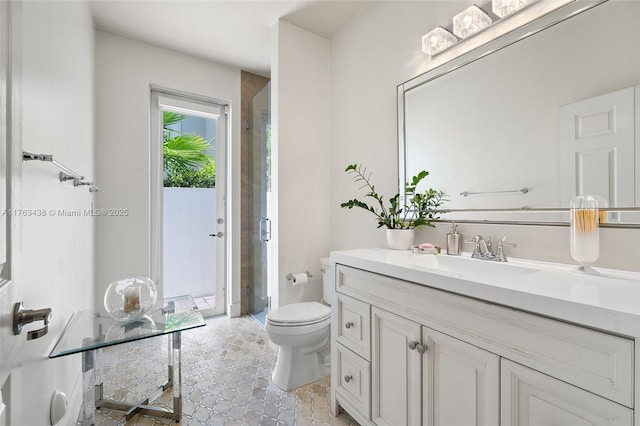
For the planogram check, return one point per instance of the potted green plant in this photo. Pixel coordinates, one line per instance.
(420, 209)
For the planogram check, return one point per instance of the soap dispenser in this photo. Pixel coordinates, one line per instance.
(453, 241)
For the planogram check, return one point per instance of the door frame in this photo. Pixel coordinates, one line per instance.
(11, 231)
(189, 101)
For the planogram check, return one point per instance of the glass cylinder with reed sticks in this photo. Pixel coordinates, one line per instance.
(585, 237)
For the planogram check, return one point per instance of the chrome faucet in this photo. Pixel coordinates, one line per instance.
(482, 249)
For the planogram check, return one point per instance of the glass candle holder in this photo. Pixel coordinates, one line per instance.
(585, 236)
(131, 298)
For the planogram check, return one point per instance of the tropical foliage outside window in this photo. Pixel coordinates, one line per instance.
(185, 161)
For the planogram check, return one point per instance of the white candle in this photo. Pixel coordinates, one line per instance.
(131, 299)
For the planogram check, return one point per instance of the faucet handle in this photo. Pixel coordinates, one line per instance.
(500, 256)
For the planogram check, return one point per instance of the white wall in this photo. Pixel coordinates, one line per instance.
(57, 250)
(125, 70)
(369, 58)
(300, 90)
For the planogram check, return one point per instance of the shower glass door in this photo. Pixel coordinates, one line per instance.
(260, 188)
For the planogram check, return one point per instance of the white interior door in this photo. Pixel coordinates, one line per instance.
(10, 172)
(598, 148)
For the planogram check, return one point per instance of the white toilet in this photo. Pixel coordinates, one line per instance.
(302, 333)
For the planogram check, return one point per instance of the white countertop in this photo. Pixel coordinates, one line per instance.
(610, 301)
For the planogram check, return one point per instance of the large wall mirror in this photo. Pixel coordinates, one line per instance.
(513, 130)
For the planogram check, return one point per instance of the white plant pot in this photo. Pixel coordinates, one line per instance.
(400, 239)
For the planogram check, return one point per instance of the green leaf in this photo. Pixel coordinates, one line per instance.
(169, 118)
(186, 151)
(420, 208)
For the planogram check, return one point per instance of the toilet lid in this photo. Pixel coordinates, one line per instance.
(299, 313)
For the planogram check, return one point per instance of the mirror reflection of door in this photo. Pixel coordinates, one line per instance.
(190, 199)
(598, 149)
(259, 223)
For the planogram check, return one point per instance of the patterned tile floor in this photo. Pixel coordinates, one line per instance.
(226, 369)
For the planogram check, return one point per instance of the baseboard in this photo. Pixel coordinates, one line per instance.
(207, 312)
(234, 310)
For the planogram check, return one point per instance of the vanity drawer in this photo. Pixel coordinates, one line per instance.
(354, 321)
(353, 381)
(596, 361)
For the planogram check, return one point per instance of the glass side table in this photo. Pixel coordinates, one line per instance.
(87, 332)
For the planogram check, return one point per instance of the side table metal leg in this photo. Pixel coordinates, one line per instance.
(88, 389)
(169, 382)
(177, 377)
(98, 377)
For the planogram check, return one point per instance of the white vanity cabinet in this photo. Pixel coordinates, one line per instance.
(533, 398)
(410, 354)
(424, 377)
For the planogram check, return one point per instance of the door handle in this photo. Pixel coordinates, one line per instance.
(219, 235)
(22, 317)
(265, 230)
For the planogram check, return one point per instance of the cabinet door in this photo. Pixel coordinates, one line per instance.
(395, 369)
(529, 397)
(461, 382)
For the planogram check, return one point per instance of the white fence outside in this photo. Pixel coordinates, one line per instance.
(189, 252)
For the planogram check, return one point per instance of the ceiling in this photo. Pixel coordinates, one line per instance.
(233, 32)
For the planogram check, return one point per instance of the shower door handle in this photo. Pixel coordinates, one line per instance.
(265, 230)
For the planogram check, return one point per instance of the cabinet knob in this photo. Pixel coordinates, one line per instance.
(348, 324)
(421, 348)
(413, 344)
(348, 378)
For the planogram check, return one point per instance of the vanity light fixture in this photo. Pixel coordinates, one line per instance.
(437, 40)
(470, 21)
(473, 20)
(503, 8)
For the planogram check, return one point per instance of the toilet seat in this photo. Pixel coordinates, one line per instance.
(299, 314)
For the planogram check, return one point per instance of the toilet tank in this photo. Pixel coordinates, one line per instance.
(326, 280)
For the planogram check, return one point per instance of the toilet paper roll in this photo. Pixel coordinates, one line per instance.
(299, 279)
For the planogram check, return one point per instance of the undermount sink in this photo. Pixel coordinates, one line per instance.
(467, 267)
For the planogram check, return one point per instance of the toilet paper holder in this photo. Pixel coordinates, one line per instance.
(289, 276)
